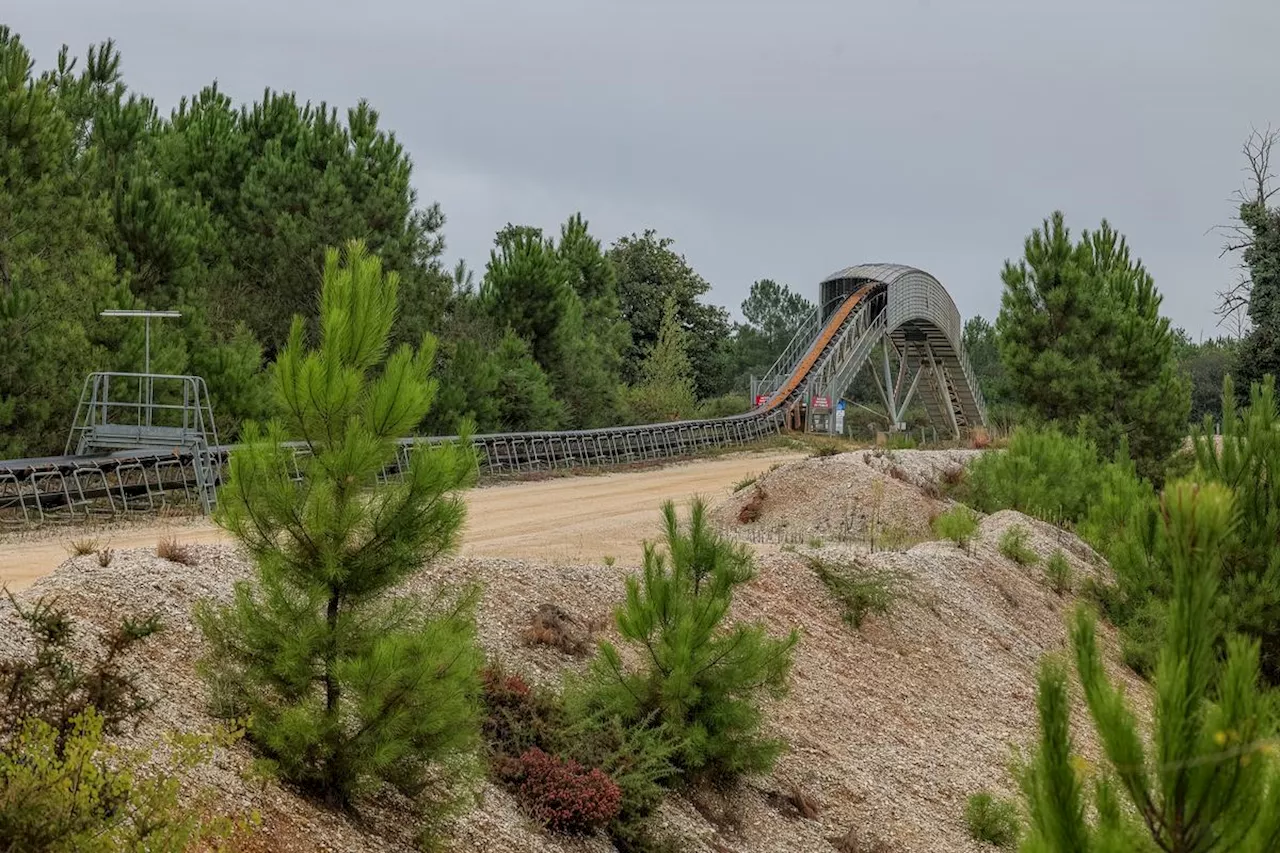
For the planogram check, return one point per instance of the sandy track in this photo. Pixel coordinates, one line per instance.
(576, 519)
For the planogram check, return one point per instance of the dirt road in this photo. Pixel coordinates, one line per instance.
(575, 519)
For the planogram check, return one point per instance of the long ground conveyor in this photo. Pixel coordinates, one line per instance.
(141, 441)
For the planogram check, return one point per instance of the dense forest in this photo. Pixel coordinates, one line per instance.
(224, 212)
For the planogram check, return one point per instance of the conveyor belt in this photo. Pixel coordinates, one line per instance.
(145, 480)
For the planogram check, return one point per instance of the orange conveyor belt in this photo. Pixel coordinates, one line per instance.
(819, 346)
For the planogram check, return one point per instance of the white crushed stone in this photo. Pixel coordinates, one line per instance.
(891, 728)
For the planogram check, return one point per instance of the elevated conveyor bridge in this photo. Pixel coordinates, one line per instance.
(132, 450)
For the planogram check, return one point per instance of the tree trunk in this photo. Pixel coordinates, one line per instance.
(331, 690)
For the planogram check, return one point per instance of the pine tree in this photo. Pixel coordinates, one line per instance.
(649, 272)
(1082, 340)
(665, 392)
(56, 269)
(1211, 780)
(701, 679)
(346, 684)
(525, 399)
(526, 289)
(1246, 459)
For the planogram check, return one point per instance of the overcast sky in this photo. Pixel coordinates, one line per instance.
(781, 139)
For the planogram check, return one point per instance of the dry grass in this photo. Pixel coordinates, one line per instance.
(803, 802)
(82, 547)
(175, 552)
(555, 627)
(853, 842)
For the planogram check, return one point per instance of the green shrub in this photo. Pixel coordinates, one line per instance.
(959, 524)
(638, 757)
(346, 685)
(901, 441)
(52, 686)
(70, 791)
(519, 717)
(824, 448)
(860, 590)
(1013, 545)
(702, 679)
(993, 820)
(1042, 473)
(1246, 459)
(1205, 776)
(744, 482)
(1058, 572)
(1122, 500)
(724, 406)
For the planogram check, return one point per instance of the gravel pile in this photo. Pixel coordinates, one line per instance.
(919, 467)
(891, 727)
(836, 498)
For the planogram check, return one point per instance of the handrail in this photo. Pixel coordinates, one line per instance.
(828, 332)
(785, 364)
(819, 353)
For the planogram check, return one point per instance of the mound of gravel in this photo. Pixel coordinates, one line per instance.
(891, 727)
(839, 498)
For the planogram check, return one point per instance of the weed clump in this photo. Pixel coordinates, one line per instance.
(861, 591)
(992, 820)
(1058, 571)
(959, 524)
(1013, 545)
(49, 686)
(62, 786)
(823, 449)
(82, 547)
(175, 552)
(555, 627)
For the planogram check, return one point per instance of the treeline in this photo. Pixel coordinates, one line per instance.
(224, 212)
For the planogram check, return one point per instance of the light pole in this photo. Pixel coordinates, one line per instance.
(146, 352)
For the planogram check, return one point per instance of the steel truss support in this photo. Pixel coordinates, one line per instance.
(896, 399)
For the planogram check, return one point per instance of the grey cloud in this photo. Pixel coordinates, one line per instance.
(781, 139)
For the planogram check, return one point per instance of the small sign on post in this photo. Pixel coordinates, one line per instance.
(761, 399)
(821, 403)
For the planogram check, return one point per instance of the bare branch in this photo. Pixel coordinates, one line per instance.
(1259, 189)
(1257, 153)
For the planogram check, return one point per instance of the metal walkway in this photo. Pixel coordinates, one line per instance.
(113, 468)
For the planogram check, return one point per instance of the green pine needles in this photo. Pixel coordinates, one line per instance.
(1209, 781)
(700, 678)
(347, 686)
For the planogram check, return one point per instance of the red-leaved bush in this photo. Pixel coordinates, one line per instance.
(564, 795)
